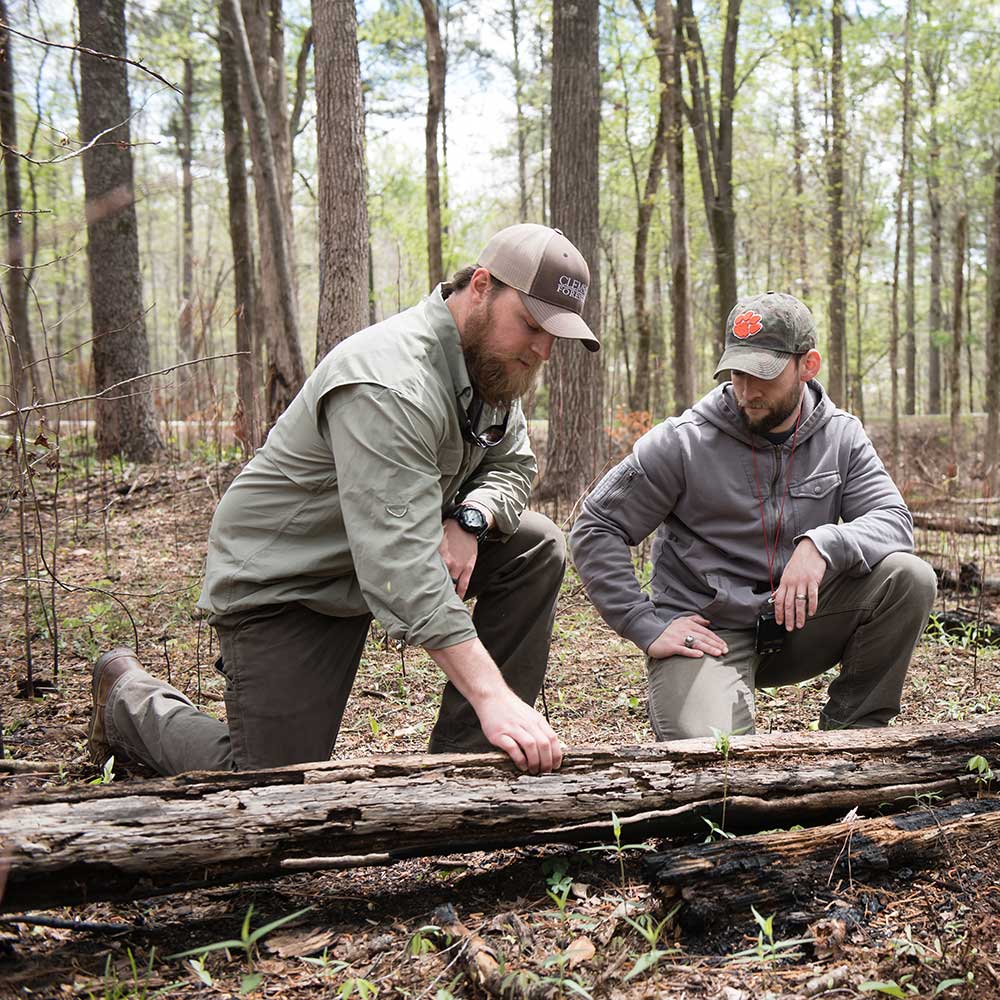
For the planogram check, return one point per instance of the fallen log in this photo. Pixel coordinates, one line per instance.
(140, 839)
(968, 524)
(771, 871)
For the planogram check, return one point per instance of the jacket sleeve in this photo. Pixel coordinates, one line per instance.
(875, 520)
(502, 482)
(627, 505)
(388, 481)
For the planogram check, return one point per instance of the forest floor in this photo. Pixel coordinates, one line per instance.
(131, 543)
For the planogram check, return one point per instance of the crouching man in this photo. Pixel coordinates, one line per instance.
(395, 484)
(782, 545)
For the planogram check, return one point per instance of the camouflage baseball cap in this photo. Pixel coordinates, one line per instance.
(549, 273)
(763, 332)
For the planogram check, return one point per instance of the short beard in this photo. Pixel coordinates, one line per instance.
(771, 419)
(498, 379)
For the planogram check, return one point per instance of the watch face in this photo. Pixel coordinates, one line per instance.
(472, 520)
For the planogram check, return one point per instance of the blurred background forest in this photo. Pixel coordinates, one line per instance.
(848, 152)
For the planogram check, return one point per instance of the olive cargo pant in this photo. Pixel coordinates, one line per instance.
(289, 671)
(869, 625)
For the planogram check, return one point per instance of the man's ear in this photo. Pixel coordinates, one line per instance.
(810, 365)
(479, 284)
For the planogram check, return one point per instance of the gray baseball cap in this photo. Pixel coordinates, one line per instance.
(763, 332)
(549, 273)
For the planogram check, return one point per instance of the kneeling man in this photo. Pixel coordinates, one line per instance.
(782, 545)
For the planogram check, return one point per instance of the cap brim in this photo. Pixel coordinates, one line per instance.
(761, 364)
(560, 322)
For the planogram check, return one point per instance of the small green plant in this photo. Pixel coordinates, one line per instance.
(374, 726)
(135, 988)
(715, 832)
(982, 773)
(364, 988)
(651, 932)
(328, 966)
(560, 960)
(767, 949)
(619, 848)
(198, 966)
(247, 943)
(904, 988)
(420, 943)
(107, 774)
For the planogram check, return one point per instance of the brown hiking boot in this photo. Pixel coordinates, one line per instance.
(108, 671)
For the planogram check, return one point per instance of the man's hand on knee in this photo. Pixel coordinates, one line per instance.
(797, 596)
(688, 636)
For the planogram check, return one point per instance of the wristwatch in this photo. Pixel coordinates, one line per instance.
(470, 519)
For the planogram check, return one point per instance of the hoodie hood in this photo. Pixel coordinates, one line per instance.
(719, 409)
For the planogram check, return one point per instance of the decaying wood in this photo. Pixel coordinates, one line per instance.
(127, 841)
(962, 523)
(770, 870)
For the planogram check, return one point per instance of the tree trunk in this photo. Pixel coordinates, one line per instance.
(286, 368)
(933, 63)
(992, 449)
(126, 425)
(901, 186)
(265, 93)
(436, 71)
(522, 127)
(714, 146)
(122, 841)
(955, 358)
(247, 418)
(185, 324)
(574, 373)
(767, 871)
(668, 26)
(837, 346)
(24, 376)
(343, 194)
(798, 157)
(640, 397)
(910, 332)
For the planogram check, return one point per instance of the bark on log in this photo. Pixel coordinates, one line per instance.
(201, 829)
(716, 881)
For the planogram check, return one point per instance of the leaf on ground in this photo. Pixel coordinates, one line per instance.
(298, 944)
(581, 949)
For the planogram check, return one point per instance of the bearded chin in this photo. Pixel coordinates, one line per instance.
(493, 379)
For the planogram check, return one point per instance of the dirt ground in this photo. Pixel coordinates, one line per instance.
(127, 546)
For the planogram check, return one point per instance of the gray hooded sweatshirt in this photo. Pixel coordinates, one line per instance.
(710, 489)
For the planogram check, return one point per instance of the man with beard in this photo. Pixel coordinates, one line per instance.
(782, 546)
(394, 486)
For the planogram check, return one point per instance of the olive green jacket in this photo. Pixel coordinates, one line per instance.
(341, 508)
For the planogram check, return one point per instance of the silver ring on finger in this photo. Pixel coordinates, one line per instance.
(689, 641)
(801, 597)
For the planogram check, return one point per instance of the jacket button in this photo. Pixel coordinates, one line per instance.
(816, 489)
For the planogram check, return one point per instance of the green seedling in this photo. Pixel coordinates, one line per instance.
(137, 988)
(247, 943)
(420, 943)
(619, 848)
(767, 949)
(364, 988)
(107, 774)
(651, 932)
(715, 832)
(904, 988)
(982, 773)
(328, 966)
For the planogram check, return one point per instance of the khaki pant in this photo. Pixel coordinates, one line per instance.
(869, 625)
(289, 671)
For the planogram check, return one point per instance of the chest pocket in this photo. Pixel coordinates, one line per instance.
(815, 501)
(816, 487)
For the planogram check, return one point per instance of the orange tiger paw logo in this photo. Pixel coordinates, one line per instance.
(746, 325)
